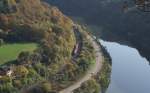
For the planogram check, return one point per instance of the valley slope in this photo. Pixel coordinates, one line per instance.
(61, 53)
(110, 22)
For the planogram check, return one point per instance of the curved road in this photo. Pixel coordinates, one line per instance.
(92, 71)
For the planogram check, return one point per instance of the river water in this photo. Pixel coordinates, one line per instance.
(130, 71)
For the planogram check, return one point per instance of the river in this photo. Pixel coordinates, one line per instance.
(130, 71)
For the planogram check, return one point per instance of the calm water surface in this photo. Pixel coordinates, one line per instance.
(130, 71)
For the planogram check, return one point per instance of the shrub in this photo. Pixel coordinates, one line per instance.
(46, 87)
(21, 71)
(91, 86)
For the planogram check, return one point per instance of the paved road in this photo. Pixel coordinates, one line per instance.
(92, 71)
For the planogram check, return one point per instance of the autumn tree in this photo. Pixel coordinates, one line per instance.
(20, 71)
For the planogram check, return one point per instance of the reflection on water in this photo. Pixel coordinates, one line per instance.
(130, 71)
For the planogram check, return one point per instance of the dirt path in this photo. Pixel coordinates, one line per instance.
(93, 70)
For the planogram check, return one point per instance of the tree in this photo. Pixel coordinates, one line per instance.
(23, 58)
(69, 70)
(90, 86)
(83, 64)
(17, 83)
(21, 71)
(46, 87)
(5, 79)
(36, 57)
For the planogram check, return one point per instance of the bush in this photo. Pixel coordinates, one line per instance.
(17, 83)
(5, 79)
(46, 87)
(91, 86)
(21, 71)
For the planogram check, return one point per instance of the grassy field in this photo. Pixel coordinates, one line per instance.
(10, 52)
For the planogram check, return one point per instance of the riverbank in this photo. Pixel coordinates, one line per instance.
(93, 70)
(130, 71)
(100, 81)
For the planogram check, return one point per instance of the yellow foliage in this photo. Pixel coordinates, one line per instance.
(21, 71)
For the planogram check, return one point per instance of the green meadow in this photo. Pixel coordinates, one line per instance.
(10, 52)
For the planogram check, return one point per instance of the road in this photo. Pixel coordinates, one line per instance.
(92, 71)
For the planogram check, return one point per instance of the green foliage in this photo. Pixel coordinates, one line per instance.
(21, 71)
(90, 86)
(41, 69)
(87, 56)
(23, 57)
(83, 64)
(104, 77)
(17, 83)
(7, 88)
(5, 79)
(33, 22)
(46, 87)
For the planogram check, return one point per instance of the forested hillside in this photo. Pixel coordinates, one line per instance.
(48, 66)
(108, 18)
